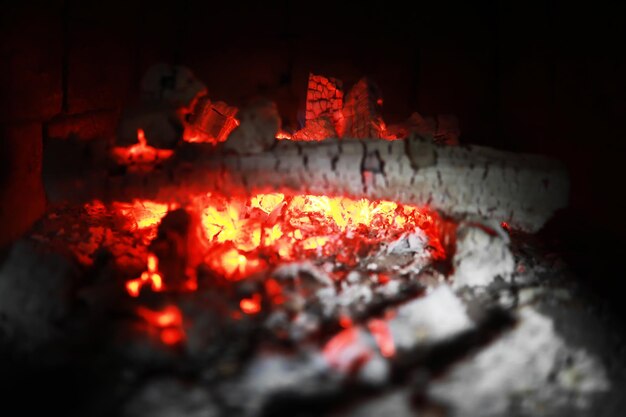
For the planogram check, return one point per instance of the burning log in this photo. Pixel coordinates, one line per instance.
(210, 122)
(361, 112)
(522, 190)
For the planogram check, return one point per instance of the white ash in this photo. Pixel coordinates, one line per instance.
(169, 397)
(524, 369)
(413, 242)
(481, 256)
(35, 293)
(375, 372)
(294, 270)
(436, 317)
(305, 374)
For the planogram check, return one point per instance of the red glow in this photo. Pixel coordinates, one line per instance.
(283, 135)
(274, 291)
(168, 322)
(346, 352)
(144, 213)
(150, 276)
(242, 234)
(345, 321)
(141, 152)
(381, 333)
(383, 278)
(251, 305)
(505, 226)
(172, 336)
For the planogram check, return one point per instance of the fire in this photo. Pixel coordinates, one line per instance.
(141, 152)
(143, 215)
(150, 276)
(243, 234)
(168, 322)
(251, 305)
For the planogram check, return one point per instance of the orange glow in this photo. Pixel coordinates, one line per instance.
(152, 276)
(283, 135)
(251, 305)
(141, 152)
(168, 322)
(144, 213)
(381, 333)
(243, 234)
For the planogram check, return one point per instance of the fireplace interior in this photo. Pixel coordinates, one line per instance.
(216, 209)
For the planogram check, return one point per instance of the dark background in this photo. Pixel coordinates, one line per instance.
(544, 77)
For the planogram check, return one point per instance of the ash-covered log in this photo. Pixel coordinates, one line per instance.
(460, 182)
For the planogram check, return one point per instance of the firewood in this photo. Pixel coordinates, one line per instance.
(361, 112)
(522, 190)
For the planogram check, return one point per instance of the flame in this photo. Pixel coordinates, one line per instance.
(168, 322)
(141, 152)
(152, 276)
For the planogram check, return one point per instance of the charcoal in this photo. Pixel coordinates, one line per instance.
(316, 130)
(210, 121)
(171, 247)
(361, 112)
(259, 124)
(324, 99)
(160, 122)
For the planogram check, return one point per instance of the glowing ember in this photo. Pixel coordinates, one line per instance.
(283, 135)
(243, 235)
(151, 276)
(141, 152)
(251, 305)
(168, 322)
(143, 215)
(346, 351)
(381, 333)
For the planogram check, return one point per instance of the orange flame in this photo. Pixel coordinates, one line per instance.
(151, 276)
(141, 152)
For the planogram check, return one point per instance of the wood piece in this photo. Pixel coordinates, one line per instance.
(361, 112)
(324, 98)
(210, 122)
(523, 190)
